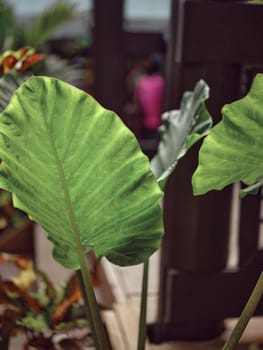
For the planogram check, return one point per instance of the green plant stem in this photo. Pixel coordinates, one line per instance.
(143, 308)
(246, 315)
(92, 308)
(85, 297)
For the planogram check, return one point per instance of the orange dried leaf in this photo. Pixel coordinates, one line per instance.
(7, 288)
(9, 63)
(23, 51)
(74, 295)
(30, 61)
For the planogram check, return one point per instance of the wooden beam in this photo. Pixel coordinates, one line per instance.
(109, 54)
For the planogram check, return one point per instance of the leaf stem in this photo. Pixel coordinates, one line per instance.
(85, 297)
(92, 308)
(246, 315)
(143, 308)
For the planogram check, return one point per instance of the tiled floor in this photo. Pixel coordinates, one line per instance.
(126, 287)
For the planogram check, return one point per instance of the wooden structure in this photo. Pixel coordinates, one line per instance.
(114, 47)
(109, 55)
(216, 41)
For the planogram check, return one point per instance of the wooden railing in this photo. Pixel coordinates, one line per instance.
(215, 41)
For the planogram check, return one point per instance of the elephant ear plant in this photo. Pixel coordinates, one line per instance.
(232, 152)
(79, 172)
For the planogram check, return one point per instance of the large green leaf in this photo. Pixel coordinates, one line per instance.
(76, 169)
(180, 130)
(233, 151)
(7, 20)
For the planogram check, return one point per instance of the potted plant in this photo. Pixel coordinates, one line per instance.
(79, 172)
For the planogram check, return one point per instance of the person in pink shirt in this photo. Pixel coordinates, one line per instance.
(148, 95)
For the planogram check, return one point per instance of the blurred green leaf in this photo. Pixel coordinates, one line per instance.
(47, 22)
(14, 35)
(7, 20)
(180, 130)
(34, 322)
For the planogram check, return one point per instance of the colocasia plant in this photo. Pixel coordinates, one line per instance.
(79, 172)
(233, 152)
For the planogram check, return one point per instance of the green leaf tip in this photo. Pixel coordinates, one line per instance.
(233, 151)
(180, 130)
(79, 172)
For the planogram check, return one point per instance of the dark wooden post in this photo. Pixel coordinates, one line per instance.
(249, 254)
(209, 40)
(109, 54)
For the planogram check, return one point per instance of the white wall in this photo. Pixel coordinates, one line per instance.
(33, 7)
(132, 8)
(147, 9)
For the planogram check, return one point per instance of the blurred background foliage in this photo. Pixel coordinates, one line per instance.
(14, 35)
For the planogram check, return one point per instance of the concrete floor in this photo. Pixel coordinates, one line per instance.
(125, 284)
